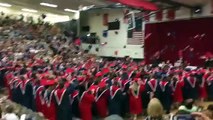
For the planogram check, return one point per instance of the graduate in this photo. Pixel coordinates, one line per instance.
(210, 86)
(25, 90)
(200, 75)
(165, 93)
(3, 70)
(191, 87)
(115, 99)
(101, 100)
(49, 107)
(75, 103)
(85, 104)
(145, 96)
(15, 93)
(135, 101)
(125, 75)
(8, 80)
(177, 86)
(125, 83)
(38, 98)
(62, 97)
(152, 87)
(74, 98)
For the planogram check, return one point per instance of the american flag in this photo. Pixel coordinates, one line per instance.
(137, 38)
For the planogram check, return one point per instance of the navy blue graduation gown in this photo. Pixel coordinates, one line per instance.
(190, 88)
(145, 96)
(22, 93)
(210, 87)
(63, 105)
(165, 95)
(75, 103)
(125, 97)
(152, 87)
(2, 76)
(15, 91)
(115, 100)
(38, 91)
(125, 76)
(27, 93)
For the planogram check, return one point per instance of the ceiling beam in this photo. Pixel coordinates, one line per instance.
(174, 3)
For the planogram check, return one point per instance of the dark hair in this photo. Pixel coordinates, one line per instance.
(210, 107)
(189, 105)
(61, 83)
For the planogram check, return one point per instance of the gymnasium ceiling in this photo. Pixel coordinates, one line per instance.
(74, 4)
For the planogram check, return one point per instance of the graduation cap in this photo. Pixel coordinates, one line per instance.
(48, 82)
(124, 66)
(105, 71)
(98, 74)
(201, 71)
(69, 70)
(137, 79)
(93, 89)
(80, 78)
(102, 84)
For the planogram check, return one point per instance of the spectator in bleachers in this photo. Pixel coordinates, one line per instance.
(10, 115)
(155, 110)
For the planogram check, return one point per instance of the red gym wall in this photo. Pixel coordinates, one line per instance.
(170, 37)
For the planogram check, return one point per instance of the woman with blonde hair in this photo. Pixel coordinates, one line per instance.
(155, 110)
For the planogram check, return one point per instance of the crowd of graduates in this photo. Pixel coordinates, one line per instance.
(68, 83)
(83, 89)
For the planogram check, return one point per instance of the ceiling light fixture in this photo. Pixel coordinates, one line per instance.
(5, 5)
(70, 10)
(49, 5)
(29, 10)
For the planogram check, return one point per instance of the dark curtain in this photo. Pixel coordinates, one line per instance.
(170, 37)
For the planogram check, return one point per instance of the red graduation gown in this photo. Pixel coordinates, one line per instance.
(177, 91)
(135, 102)
(39, 101)
(101, 103)
(85, 106)
(50, 107)
(8, 79)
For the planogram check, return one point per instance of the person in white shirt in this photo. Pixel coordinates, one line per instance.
(9, 114)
